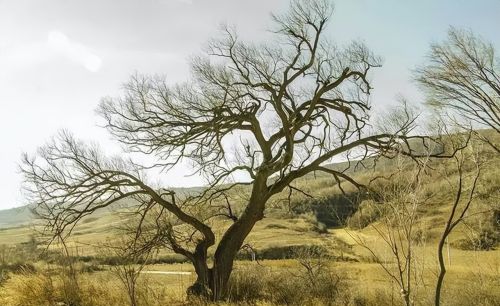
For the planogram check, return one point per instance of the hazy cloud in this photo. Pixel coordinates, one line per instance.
(185, 1)
(28, 55)
(74, 51)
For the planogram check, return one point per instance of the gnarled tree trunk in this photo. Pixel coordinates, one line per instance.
(213, 282)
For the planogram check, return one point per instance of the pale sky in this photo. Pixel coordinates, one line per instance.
(59, 57)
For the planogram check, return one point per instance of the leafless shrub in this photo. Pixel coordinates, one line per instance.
(397, 229)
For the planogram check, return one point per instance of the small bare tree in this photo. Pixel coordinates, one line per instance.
(128, 268)
(270, 113)
(400, 197)
(463, 76)
(459, 209)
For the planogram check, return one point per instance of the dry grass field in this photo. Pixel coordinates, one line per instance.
(340, 271)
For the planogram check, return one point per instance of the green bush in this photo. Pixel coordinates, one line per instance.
(484, 240)
(116, 260)
(367, 213)
(291, 251)
(276, 226)
(332, 210)
(320, 228)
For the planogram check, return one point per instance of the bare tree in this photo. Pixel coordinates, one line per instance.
(270, 113)
(463, 75)
(128, 268)
(458, 210)
(400, 196)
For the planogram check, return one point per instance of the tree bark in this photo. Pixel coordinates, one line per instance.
(442, 268)
(213, 283)
(201, 286)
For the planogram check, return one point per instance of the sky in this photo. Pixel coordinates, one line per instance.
(58, 58)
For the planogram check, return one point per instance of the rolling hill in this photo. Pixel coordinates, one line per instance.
(295, 222)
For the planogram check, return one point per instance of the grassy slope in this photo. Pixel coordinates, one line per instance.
(278, 229)
(467, 270)
(14, 217)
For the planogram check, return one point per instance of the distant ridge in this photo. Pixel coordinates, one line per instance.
(19, 216)
(14, 217)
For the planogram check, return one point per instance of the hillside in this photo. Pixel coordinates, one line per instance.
(22, 216)
(330, 225)
(15, 217)
(302, 220)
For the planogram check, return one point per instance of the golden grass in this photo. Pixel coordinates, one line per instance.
(473, 276)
